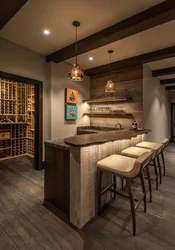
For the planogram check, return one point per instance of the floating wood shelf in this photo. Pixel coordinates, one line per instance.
(109, 99)
(126, 116)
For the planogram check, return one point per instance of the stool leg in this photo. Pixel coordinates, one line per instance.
(163, 160)
(160, 170)
(133, 212)
(149, 183)
(122, 184)
(156, 174)
(143, 189)
(99, 188)
(114, 180)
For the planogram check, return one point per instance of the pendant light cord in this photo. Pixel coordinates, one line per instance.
(76, 46)
(110, 68)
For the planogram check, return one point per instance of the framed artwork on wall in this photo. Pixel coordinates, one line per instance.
(71, 96)
(71, 112)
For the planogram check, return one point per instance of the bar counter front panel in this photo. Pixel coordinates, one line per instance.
(72, 179)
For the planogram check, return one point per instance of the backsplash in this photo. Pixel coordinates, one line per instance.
(128, 84)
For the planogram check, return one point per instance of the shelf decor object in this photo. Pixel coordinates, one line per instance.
(76, 73)
(110, 86)
(71, 112)
(71, 96)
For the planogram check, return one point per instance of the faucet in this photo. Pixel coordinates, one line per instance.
(119, 125)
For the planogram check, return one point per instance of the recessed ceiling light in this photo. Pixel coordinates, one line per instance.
(46, 32)
(91, 58)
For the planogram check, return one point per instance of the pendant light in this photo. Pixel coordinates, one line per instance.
(110, 87)
(76, 73)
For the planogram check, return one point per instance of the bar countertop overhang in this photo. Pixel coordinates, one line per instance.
(102, 137)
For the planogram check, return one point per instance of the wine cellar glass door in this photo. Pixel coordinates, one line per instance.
(17, 119)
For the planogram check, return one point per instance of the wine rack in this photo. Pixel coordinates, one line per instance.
(17, 118)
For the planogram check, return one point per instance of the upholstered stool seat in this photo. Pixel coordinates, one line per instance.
(146, 144)
(127, 168)
(117, 164)
(134, 151)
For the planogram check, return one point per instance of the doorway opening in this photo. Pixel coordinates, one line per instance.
(21, 118)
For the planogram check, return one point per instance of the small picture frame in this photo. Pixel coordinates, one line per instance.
(71, 112)
(71, 96)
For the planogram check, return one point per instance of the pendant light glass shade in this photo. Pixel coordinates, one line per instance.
(76, 73)
(110, 86)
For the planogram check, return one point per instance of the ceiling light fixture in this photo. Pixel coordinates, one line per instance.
(91, 58)
(46, 32)
(76, 73)
(110, 86)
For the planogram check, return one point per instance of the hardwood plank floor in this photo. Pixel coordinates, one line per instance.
(26, 224)
(155, 229)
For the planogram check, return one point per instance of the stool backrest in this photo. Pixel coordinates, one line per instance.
(140, 163)
(165, 142)
(145, 159)
(158, 148)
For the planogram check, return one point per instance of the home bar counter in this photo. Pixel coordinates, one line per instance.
(70, 170)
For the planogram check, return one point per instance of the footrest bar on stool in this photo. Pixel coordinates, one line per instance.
(121, 193)
(138, 203)
(107, 188)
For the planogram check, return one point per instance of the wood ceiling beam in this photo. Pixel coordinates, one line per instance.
(163, 72)
(159, 14)
(167, 81)
(170, 88)
(132, 62)
(8, 9)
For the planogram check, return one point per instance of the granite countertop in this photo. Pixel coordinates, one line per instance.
(102, 137)
(60, 144)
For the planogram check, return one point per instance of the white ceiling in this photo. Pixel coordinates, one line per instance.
(167, 77)
(25, 28)
(162, 64)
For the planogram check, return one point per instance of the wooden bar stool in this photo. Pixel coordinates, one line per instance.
(151, 145)
(165, 143)
(136, 152)
(127, 168)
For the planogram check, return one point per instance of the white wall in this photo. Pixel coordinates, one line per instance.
(156, 107)
(17, 60)
(59, 81)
